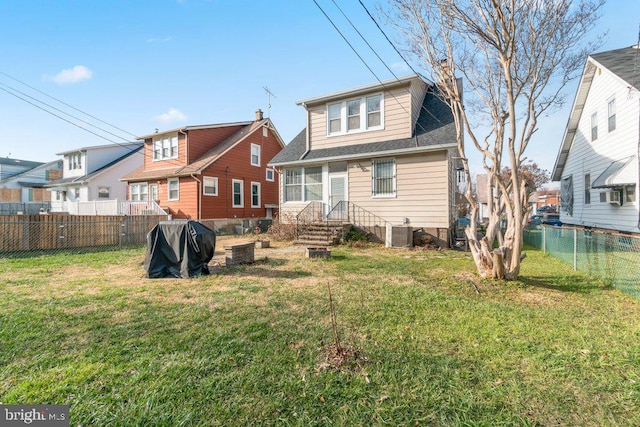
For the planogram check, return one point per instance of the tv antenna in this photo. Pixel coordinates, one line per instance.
(269, 95)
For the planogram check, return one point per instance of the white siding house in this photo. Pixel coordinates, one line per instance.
(598, 160)
(92, 174)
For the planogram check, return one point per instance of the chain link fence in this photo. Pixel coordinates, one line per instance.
(28, 235)
(612, 257)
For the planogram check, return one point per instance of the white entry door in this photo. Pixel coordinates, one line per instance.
(337, 194)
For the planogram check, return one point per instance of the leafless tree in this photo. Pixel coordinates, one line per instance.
(514, 58)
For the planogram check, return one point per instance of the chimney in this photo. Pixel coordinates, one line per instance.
(258, 114)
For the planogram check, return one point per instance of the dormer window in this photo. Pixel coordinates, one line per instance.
(355, 115)
(75, 161)
(165, 148)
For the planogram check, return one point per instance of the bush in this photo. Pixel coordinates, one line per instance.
(283, 230)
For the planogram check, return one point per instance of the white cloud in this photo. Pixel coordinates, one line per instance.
(171, 116)
(71, 75)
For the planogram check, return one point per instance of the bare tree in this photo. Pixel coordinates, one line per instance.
(514, 58)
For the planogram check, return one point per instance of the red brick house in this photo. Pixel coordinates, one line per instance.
(212, 171)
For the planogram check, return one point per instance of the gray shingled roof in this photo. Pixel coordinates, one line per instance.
(434, 129)
(18, 162)
(625, 63)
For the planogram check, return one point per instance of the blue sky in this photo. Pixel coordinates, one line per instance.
(142, 65)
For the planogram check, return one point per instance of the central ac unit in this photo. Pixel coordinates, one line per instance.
(613, 197)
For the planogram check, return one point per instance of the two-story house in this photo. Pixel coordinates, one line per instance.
(216, 171)
(384, 152)
(93, 174)
(597, 163)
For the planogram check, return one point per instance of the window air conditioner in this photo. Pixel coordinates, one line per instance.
(613, 197)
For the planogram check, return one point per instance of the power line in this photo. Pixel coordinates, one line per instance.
(68, 105)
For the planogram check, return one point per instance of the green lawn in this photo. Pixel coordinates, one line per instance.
(254, 344)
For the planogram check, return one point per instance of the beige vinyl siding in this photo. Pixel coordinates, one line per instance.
(593, 157)
(397, 121)
(422, 190)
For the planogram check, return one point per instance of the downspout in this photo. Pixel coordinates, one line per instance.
(226, 186)
(199, 196)
(307, 134)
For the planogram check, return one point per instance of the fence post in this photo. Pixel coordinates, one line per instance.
(544, 239)
(575, 249)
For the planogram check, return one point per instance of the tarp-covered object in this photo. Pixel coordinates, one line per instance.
(179, 248)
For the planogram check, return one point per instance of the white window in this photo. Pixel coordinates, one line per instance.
(255, 194)
(594, 126)
(173, 185)
(611, 114)
(153, 192)
(139, 192)
(353, 115)
(334, 112)
(373, 111)
(313, 183)
(210, 186)
(75, 161)
(360, 115)
(238, 193)
(103, 192)
(255, 155)
(303, 184)
(269, 175)
(293, 185)
(165, 148)
(383, 175)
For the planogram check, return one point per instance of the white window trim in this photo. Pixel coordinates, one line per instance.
(395, 179)
(256, 184)
(363, 116)
(169, 181)
(303, 184)
(273, 174)
(614, 115)
(593, 126)
(138, 186)
(158, 143)
(215, 185)
(233, 193)
(258, 148)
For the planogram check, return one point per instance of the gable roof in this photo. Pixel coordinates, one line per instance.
(623, 63)
(17, 162)
(207, 158)
(83, 179)
(131, 145)
(434, 130)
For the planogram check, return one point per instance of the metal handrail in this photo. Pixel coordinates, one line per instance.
(311, 213)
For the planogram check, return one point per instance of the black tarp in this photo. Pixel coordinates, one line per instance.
(179, 248)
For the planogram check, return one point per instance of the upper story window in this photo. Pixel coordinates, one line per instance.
(75, 161)
(383, 175)
(255, 155)
(355, 115)
(165, 148)
(594, 126)
(611, 114)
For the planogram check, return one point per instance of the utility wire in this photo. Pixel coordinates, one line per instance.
(68, 105)
(63, 112)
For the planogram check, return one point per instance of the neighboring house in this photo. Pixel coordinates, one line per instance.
(598, 160)
(92, 174)
(382, 153)
(27, 185)
(216, 171)
(549, 199)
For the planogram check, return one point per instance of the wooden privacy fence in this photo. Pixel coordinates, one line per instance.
(26, 233)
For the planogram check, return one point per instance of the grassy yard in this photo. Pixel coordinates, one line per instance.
(254, 344)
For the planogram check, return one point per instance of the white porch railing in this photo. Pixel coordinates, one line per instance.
(108, 207)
